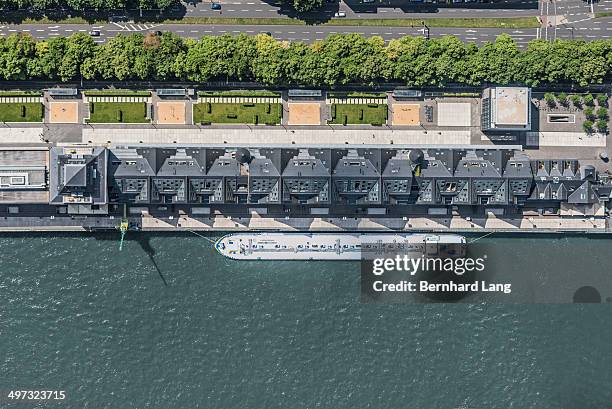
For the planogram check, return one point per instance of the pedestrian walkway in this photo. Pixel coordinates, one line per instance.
(20, 100)
(21, 135)
(267, 135)
(565, 139)
(87, 99)
(356, 101)
(256, 222)
(240, 100)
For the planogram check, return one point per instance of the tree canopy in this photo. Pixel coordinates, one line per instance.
(339, 59)
(305, 5)
(80, 5)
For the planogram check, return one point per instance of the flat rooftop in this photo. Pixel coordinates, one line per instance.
(23, 176)
(511, 106)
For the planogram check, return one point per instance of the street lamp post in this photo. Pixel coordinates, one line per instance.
(425, 30)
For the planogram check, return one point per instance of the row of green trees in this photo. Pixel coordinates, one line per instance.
(80, 5)
(340, 59)
(304, 5)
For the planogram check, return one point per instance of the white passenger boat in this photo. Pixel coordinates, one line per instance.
(334, 246)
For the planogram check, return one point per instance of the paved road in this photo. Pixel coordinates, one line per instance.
(290, 32)
(270, 8)
(563, 19)
(599, 28)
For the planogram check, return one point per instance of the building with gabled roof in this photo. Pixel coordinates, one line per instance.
(292, 179)
(520, 178)
(306, 177)
(171, 181)
(131, 170)
(78, 176)
(356, 176)
(397, 178)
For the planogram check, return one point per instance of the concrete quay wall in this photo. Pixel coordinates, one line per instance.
(220, 224)
(456, 224)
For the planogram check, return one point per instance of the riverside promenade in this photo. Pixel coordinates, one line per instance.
(221, 223)
(267, 135)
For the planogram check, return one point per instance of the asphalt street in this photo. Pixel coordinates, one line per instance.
(261, 9)
(601, 28)
(290, 32)
(561, 19)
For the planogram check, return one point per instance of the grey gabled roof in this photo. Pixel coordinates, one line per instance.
(224, 166)
(398, 167)
(181, 164)
(432, 168)
(475, 167)
(583, 195)
(263, 167)
(570, 169)
(132, 164)
(75, 175)
(305, 165)
(541, 168)
(354, 166)
(69, 173)
(556, 168)
(561, 192)
(518, 166)
(541, 191)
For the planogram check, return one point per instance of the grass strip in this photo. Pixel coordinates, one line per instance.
(239, 93)
(603, 14)
(21, 112)
(359, 114)
(356, 95)
(243, 113)
(510, 22)
(20, 93)
(118, 112)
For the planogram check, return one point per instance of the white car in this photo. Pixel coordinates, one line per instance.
(340, 14)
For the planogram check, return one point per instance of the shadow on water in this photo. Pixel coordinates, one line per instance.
(141, 238)
(145, 243)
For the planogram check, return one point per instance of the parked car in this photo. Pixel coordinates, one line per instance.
(95, 33)
(340, 14)
(215, 6)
